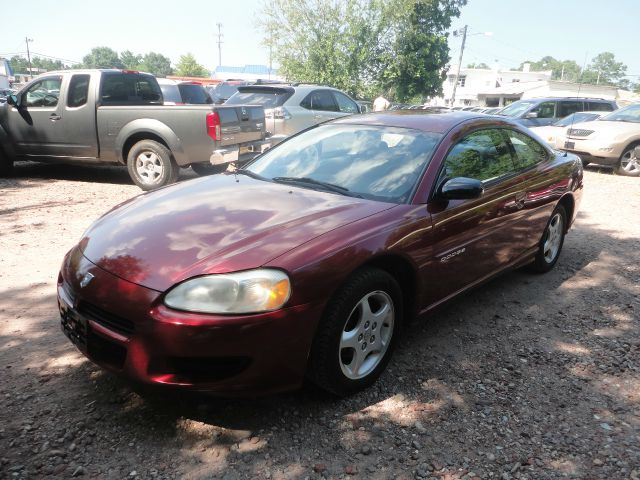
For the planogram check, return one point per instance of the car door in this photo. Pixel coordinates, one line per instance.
(34, 125)
(78, 120)
(545, 114)
(324, 106)
(474, 239)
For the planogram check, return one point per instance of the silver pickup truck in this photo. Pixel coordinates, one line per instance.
(118, 117)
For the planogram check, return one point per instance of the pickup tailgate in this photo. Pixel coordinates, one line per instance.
(240, 123)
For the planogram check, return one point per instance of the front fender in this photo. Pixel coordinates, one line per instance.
(152, 128)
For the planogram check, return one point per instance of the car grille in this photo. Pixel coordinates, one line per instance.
(106, 319)
(579, 132)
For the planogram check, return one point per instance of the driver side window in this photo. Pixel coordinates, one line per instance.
(546, 110)
(44, 93)
(483, 155)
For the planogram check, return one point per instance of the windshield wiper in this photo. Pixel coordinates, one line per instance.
(311, 181)
(249, 173)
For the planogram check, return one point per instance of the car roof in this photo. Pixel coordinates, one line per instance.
(548, 99)
(417, 119)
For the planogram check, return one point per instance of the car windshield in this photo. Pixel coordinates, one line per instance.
(576, 118)
(377, 163)
(630, 113)
(516, 108)
(268, 98)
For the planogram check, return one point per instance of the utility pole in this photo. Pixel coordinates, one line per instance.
(219, 44)
(464, 39)
(270, 51)
(27, 40)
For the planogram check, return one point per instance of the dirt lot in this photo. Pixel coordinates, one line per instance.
(528, 377)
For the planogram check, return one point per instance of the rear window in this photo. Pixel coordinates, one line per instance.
(130, 89)
(268, 98)
(194, 94)
(600, 107)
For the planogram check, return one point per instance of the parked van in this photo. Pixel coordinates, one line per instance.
(539, 112)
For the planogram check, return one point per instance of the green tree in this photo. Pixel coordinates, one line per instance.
(189, 67)
(604, 70)
(567, 70)
(421, 50)
(364, 47)
(19, 64)
(130, 60)
(102, 57)
(157, 64)
(479, 65)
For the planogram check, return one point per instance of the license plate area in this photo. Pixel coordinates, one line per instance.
(73, 325)
(569, 145)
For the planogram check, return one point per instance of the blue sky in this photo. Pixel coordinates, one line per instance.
(522, 29)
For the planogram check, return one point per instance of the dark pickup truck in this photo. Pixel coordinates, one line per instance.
(118, 117)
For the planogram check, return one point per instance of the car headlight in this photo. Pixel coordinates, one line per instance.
(252, 291)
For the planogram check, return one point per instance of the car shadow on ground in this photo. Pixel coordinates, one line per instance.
(465, 390)
(112, 174)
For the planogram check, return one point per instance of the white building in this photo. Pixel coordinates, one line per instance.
(476, 86)
(497, 88)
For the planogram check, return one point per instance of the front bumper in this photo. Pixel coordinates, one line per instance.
(125, 328)
(590, 150)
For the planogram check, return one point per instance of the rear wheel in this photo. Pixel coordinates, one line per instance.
(151, 165)
(204, 169)
(357, 333)
(629, 163)
(551, 242)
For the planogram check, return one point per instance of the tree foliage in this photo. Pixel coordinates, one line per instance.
(480, 65)
(130, 60)
(365, 47)
(21, 64)
(567, 70)
(156, 64)
(189, 67)
(102, 57)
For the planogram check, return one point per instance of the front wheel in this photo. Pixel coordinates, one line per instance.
(204, 169)
(151, 165)
(629, 163)
(551, 242)
(357, 333)
(6, 164)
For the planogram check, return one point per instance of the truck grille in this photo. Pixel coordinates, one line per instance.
(106, 319)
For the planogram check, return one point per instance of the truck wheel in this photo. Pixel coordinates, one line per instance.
(6, 164)
(151, 165)
(204, 169)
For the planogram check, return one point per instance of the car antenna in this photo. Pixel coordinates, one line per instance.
(584, 65)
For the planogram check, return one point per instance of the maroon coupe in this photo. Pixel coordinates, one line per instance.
(310, 260)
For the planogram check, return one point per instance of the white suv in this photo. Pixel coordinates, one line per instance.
(289, 109)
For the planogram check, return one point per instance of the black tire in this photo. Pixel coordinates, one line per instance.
(330, 359)
(545, 258)
(204, 169)
(6, 164)
(151, 165)
(629, 164)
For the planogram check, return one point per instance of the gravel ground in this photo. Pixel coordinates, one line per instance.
(528, 377)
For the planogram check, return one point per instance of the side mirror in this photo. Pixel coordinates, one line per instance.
(531, 115)
(13, 100)
(461, 188)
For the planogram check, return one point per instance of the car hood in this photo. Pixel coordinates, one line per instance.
(216, 224)
(610, 128)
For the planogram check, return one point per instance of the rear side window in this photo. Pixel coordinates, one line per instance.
(345, 104)
(545, 110)
(78, 90)
(483, 155)
(600, 107)
(567, 107)
(268, 98)
(194, 94)
(320, 100)
(129, 89)
(528, 151)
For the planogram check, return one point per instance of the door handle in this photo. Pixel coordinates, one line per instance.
(54, 117)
